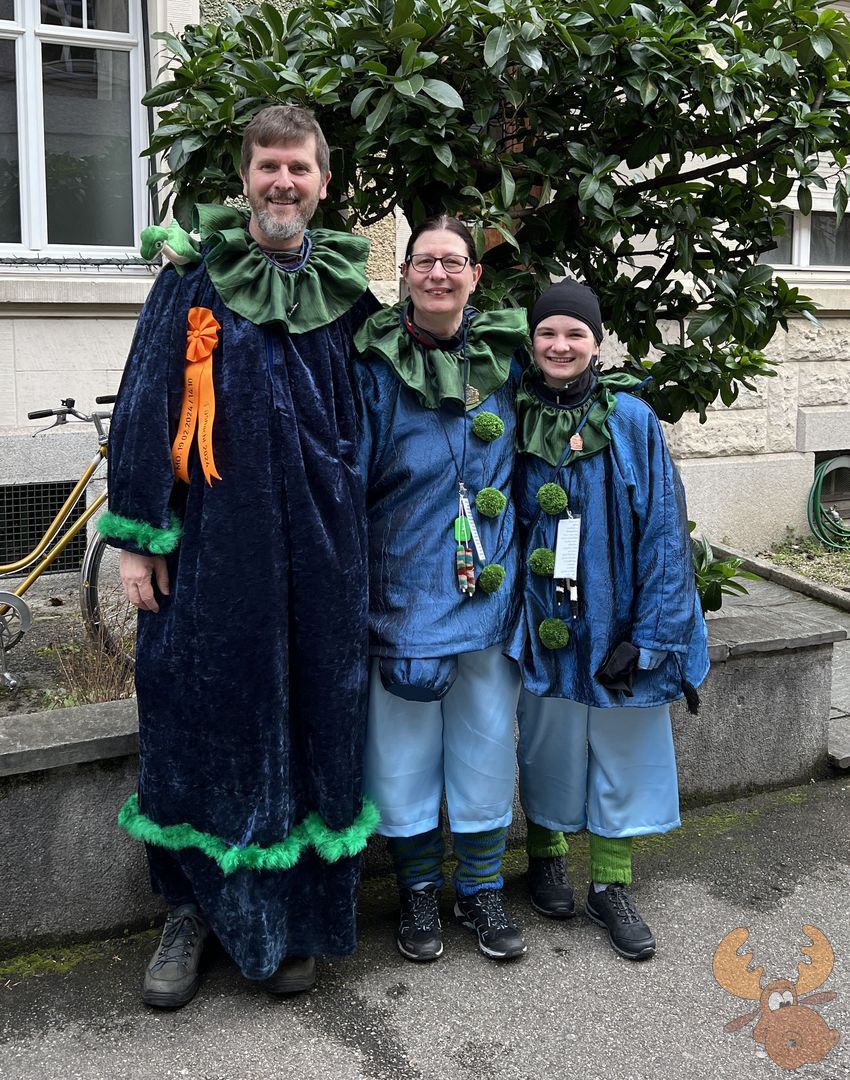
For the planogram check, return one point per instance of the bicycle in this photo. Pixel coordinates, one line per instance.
(107, 615)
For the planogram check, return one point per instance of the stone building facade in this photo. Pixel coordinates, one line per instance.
(68, 306)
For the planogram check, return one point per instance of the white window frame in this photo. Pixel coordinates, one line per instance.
(29, 33)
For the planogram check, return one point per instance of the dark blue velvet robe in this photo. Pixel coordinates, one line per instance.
(252, 677)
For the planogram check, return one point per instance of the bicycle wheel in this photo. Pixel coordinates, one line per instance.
(109, 617)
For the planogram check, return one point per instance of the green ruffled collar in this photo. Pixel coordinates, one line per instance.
(436, 375)
(544, 428)
(332, 280)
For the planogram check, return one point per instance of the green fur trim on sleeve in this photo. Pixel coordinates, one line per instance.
(312, 832)
(148, 537)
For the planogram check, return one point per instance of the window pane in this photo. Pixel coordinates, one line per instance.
(7, 9)
(62, 12)
(10, 203)
(830, 245)
(781, 254)
(87, 146)
(108, 15)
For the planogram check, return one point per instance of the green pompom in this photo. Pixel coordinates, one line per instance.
(552, 498)
(491, 578)
(488, 426)
(542, 561)
(553, 633)
(490, 502)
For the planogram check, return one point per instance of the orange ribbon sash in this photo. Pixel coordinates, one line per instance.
(198, 409)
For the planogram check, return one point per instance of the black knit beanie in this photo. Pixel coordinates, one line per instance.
(568, 297)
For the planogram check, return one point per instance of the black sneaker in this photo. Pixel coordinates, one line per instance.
(420, 935)
(629, 934)
(171, 978)
(486, 914)
(551, 893)
(294, 975)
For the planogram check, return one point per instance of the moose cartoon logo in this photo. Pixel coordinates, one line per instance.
(791, 1031)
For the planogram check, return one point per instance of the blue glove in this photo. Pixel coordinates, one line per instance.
(650, 659)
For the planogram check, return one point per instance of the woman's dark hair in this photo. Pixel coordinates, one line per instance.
(450, 224)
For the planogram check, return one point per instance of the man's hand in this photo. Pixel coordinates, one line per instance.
(137, 573)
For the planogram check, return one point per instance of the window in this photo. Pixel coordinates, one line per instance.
(71, 129)
(812, 242)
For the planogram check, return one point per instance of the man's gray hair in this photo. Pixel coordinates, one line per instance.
(277, 125)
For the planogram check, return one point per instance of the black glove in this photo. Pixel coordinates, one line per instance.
(617, 671)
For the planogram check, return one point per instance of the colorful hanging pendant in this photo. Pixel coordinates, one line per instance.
(576, 442)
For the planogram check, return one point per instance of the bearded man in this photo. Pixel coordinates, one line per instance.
(235, 497)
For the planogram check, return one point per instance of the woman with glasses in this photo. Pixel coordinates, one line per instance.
(437, 380)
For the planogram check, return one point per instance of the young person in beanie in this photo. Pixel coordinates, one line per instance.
(611, 629)
(437, 381)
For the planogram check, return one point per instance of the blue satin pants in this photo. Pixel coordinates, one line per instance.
(465, 743)
(611, 771)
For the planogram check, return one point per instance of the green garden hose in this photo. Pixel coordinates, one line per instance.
(825, 522)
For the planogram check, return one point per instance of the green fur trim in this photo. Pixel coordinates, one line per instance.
(491, 578)
(487, 426)
(490, 502)
(552, 498)
(554, 633)
(147, 537)
(542, 561)
(312, 832)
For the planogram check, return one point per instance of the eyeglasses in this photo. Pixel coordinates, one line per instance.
(452, 264)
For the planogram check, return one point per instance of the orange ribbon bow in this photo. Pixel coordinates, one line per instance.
(198, 396)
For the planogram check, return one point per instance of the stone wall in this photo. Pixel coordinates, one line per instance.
(749, 469)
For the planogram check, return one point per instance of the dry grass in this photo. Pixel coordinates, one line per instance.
(804, 555)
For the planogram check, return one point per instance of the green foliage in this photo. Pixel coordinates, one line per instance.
(491, 578)
(644, 148)
(716, 577)
(554, 633)
(542, 561)
(488, 426)
(552, 498)
(490, 502)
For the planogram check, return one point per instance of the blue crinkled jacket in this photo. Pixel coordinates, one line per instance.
(635, 572)
(412, 455)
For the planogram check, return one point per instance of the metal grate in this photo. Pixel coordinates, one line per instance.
(26, 511)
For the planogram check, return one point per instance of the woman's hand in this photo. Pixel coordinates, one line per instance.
(137, 573)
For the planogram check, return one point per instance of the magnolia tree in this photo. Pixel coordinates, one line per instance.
(642, 147)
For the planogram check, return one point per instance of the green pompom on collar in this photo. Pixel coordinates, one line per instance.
(330, 282)
(436, 375)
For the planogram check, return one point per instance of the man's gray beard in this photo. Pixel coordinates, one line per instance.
(274, 229)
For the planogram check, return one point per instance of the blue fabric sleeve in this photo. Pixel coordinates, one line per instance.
(141, 478)
(663, 611)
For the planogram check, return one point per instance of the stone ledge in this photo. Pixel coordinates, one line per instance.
(32, 742)
(740, 635)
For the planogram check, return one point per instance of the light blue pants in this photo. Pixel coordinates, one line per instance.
(612, 771)
(464, 742)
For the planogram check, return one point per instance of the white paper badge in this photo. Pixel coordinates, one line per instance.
(566, 548)
(476, 539)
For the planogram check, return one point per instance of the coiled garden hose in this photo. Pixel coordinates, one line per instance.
(826, 523)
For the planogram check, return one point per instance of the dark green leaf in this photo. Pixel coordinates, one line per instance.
(496, 45)
(376, 118)
(443, 93)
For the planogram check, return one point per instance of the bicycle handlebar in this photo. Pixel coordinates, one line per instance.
(108, 399)
(39, 414)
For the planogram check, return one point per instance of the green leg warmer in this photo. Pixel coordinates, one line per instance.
(543, 843)
(611, 859)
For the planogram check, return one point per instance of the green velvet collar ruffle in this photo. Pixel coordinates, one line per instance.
(544, 429)
(332, 280)
(436, 375)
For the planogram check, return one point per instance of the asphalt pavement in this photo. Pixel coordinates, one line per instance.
(570, 1009)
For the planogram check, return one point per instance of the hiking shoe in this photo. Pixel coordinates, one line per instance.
(486, 914)
(171, 978)
(420, 935)
(294, 974)
(551, 893)
(629, 934)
